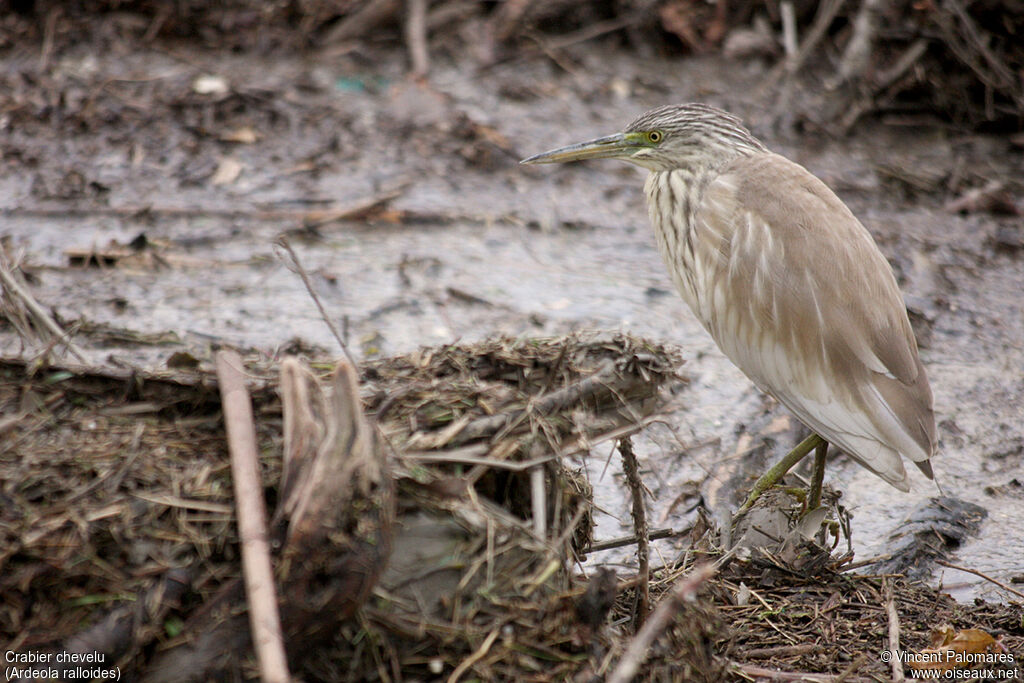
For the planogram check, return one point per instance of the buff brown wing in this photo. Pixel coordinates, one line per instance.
(815, 316)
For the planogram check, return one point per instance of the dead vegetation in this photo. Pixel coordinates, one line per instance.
(117, 490)
(955, 60)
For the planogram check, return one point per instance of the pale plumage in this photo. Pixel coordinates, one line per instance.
(786, 280)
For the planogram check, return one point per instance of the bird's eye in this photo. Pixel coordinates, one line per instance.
(655, 136)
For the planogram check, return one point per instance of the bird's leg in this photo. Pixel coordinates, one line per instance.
(779, 470)
(817, 475)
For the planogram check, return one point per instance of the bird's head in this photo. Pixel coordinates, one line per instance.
(667, 138)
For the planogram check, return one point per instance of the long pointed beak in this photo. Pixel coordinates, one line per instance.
(609, 147)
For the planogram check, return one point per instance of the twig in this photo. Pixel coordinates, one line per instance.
(474, 455)
(507, 18)
(621, 542)
(416, 36)
(864, 563)
(310, 218)
(894, 633)
(595, 30)
(789, 39)
(984, 576)
(49, 30)
(640, 646)
(913, 53)
(539, 501)
(16, 292)
(789, 66)
(631, 468)
(852, 669)
(858, 49)
(1001, 76)
(823, 19)
(779, 651)
(264, 619)
(480, 653)
(296, 267)
(362, 21)
(773, 675)
(556, 400)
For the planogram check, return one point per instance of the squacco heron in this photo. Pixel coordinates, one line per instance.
(787, 281)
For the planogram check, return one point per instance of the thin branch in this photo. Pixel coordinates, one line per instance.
(827, 12)
(416, 36)
(480, 653)
(910, 57)
(539, 502)
(556, 400)
(984, 576)
(631, 468)
(264, 619)
(780, 651)
(296, 267)
(773, 675)
(361, 22)
(640, 647)
(858, 49)
(309, 218)
(595, 30)
(1004, 78)
(894, 633)
(789, 38)
(852, 669)
(20, 294)
(623, 541)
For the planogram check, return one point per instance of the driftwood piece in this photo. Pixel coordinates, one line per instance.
(339, 504)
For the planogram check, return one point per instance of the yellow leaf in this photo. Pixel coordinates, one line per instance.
(951, 649)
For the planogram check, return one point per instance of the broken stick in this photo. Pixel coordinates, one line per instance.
(252, 520)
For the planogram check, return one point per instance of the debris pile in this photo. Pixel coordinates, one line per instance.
(118, 534)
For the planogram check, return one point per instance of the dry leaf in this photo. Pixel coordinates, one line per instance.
(951, 649)
(227, 171)
(244, 135)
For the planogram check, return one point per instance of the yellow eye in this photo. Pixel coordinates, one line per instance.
(655, 136)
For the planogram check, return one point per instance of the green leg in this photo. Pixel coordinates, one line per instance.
(776, 473)
(817, 476)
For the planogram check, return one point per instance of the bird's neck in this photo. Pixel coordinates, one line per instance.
(672, 200)
(677, 192)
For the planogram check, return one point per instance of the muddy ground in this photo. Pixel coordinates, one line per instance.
(212, 155)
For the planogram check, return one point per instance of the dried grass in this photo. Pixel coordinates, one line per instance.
(112, 481)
